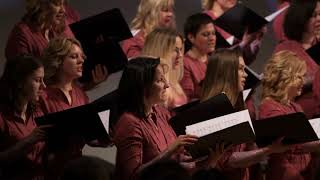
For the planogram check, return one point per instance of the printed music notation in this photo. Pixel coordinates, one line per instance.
(216, 124)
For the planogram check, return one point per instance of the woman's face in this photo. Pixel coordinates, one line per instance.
(242, 75)
(158, 89)
(166, 15)
(73, 63)
(295, 88)
(205, 39)
(313, 25)
(177, 54)
(34, 85)
(57, 13)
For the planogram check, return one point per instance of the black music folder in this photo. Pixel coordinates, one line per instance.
(253, 79)
(295, 128)
(182, 108)
(91, 121)
(314, 53)
(216, 106)
(214, 121)
(237, 19)
(221, 42)
(231, 129)
(100, 36)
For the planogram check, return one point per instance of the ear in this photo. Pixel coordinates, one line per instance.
(191, 38)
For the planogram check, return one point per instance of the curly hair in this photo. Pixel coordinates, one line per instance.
(54, 55)
(282, 70)
(147, 17)
(38, 11)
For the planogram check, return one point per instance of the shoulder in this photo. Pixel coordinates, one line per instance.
(128, 126)
(269, 108)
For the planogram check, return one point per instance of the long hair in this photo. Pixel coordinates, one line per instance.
(161, 43)
(297, 17)
(38, 11)
(54, 55)
(13, 80)
(193, 25)
(222, 76)
(135, 84)
(281, 71)
(147, 17)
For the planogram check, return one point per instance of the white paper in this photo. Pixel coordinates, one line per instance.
(272, 16)
(315, 123)
(216, 124)
(230, 40)
(246, 93)
(104, 117)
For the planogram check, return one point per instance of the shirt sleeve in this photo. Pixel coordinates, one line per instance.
(129, 142)
(187, 83)
(17, 43)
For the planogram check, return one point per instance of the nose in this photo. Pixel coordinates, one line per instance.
(62, 9)
(42, 85)
(245, 75)
(166, 84)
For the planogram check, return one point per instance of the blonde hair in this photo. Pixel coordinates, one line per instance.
(207, 4)
(222, 76)
(282, 70)
(38, 11)
(54, 55)
(161, 42)
(147, 17)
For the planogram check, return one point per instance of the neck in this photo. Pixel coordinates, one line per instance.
(21, 109)
(308, 40)
(64, 84)
(147, 107)
(196, 54)
(217, 10)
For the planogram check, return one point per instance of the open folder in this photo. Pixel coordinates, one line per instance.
(235, 128)
(100, 36)
(216, 106)
(295, 128)
(237, 19)
(253, 79)
(90, 121)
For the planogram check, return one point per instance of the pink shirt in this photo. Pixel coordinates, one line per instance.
(193, 75)
(12, 130)
(277, 24)
(138, 141)
(133, 47)
(54, 100)
(306, 100)
(293, 164)
(232, 173)
(25, 39)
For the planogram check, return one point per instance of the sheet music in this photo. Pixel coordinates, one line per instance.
(216, 124)
(315, 123)
(246, 93)
(104, 117)
(230, 40)
(272, 16)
